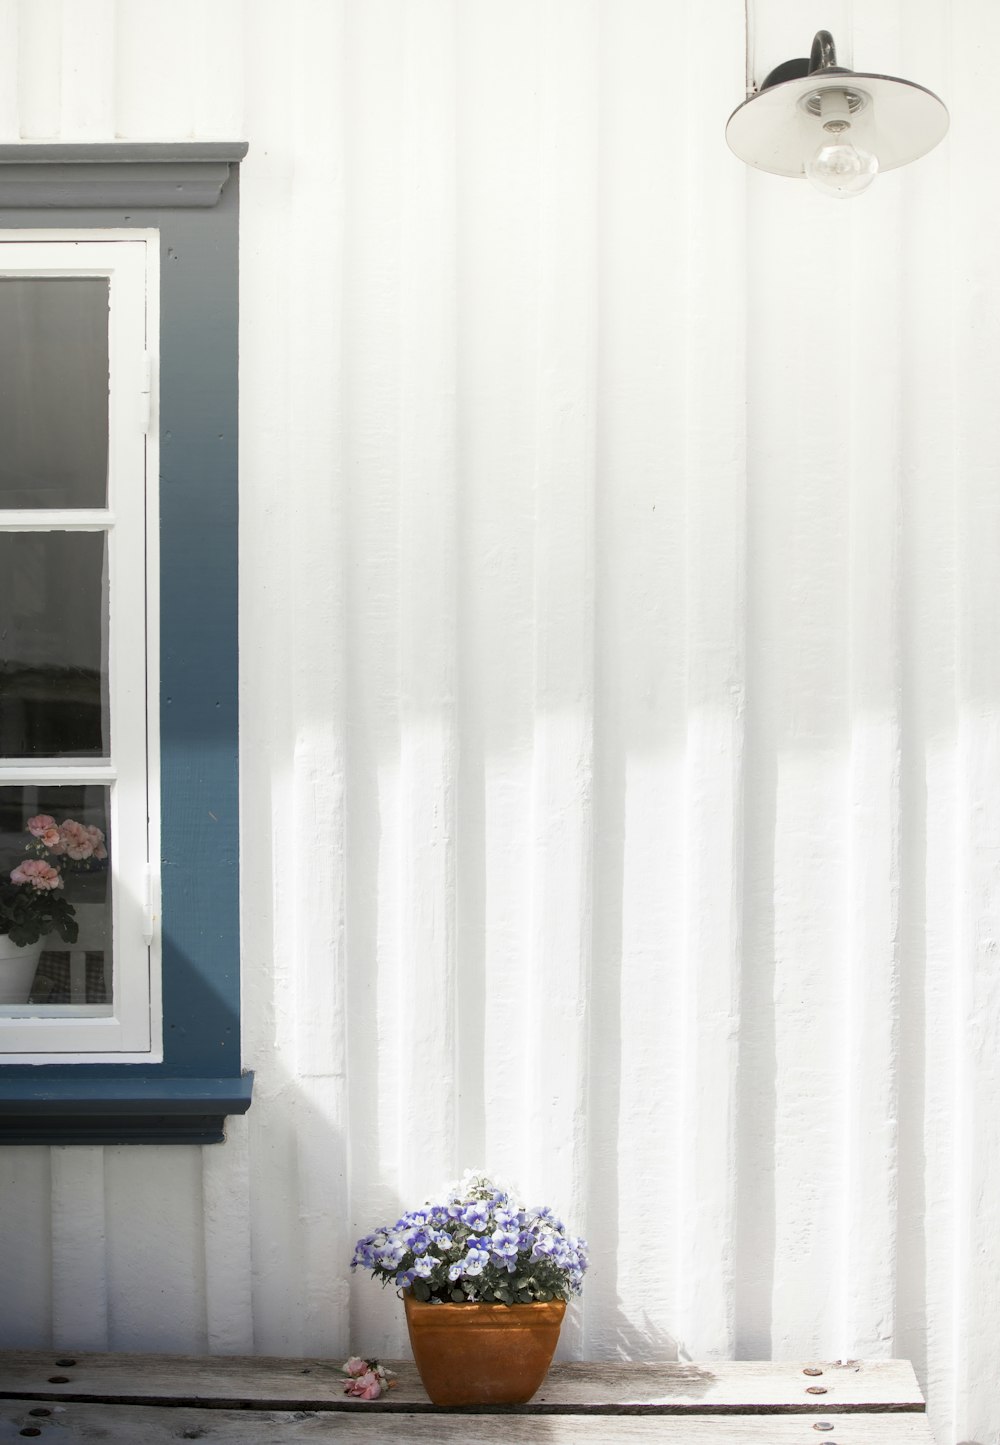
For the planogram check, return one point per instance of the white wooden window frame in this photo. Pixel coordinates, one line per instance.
(130, 1029)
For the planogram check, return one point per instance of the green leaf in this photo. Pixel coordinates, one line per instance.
(421, 1290)
(458, 1296)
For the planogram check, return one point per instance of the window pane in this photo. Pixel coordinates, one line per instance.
(55, 864)
(54, 392)
(53, 644)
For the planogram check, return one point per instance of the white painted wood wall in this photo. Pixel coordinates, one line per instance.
(621, 690)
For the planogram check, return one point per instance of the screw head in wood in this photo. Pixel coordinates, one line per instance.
(815, 1389)
(811, 1370)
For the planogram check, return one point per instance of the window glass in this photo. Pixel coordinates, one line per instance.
(53, 645)
(55, 860)
(54, 391)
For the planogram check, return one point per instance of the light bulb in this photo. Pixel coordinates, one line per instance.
(840, 169)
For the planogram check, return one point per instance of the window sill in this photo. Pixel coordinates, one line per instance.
(119, 1110)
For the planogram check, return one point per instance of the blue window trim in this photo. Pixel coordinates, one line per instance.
(190, 193)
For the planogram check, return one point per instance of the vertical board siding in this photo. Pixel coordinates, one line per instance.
(929, 872)
(268, 920)
(498, 185)
(314, 1008)
(26, 1309)
(636, 1065)
(36, 34)
(79, 1249)
(551, 1149)
(715, 473)
(10, 67)
(374, 137)
(154, 1223)
(87, 71)
(429, 492)
(229, 1326)
(975, 997)
(619, 733)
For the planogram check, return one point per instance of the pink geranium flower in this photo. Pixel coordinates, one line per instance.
(355, 1366)
(40, 875)
(75, 840)
(44, 828)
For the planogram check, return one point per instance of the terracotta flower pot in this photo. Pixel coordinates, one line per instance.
(482, 1354)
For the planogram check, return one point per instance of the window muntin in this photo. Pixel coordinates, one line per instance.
(77, 699)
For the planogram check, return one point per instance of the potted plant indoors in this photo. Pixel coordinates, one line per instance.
(33, 904)
(484, 1282)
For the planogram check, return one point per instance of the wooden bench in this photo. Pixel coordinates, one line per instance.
(149, 1399)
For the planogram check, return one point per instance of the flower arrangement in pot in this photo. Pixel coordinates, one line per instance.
(484, 1283)
(33, 904)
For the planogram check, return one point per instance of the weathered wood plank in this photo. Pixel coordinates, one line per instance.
(164, 1425)
(725, 1385)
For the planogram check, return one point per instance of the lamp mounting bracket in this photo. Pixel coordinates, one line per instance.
(822, 60)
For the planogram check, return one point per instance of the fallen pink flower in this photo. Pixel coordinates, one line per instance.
(369, 1378)
(364, 1387)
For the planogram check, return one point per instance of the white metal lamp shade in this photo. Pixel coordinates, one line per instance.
(810, 106)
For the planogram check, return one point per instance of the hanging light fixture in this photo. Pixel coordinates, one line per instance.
(837, 127)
